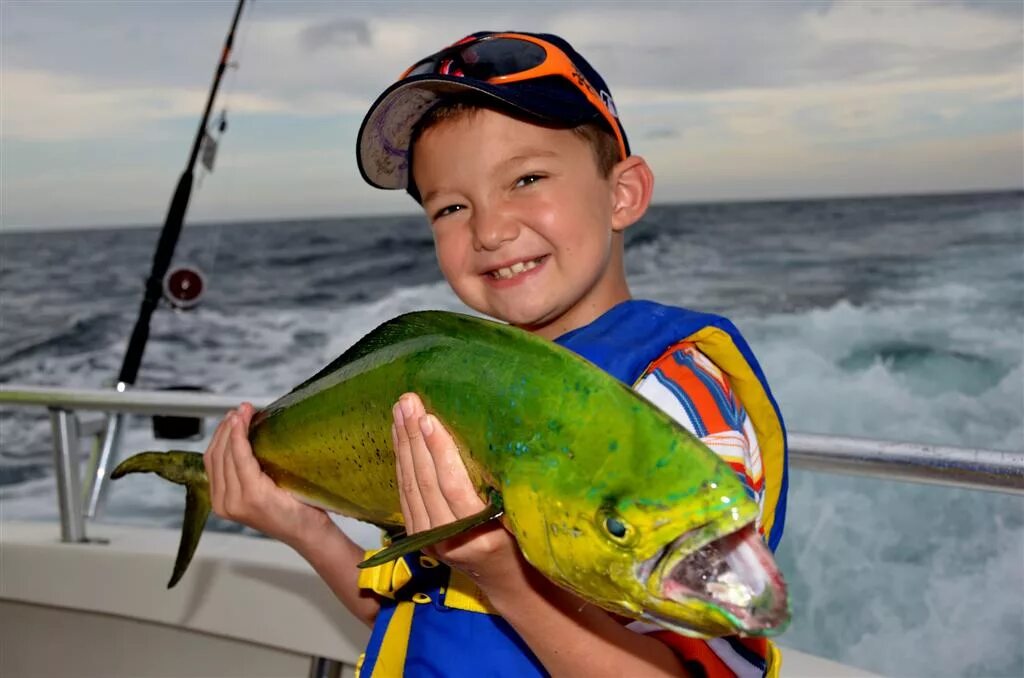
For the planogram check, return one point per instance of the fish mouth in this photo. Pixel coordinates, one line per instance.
(734, 574)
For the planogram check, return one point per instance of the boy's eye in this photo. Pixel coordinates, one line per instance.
(528, 179)
(445, 211)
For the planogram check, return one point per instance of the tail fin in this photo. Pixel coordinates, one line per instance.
(184, 468)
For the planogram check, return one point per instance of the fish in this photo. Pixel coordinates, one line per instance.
(605, 494)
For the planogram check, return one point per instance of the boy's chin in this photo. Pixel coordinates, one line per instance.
(536, 322)
(530, 314)
(520, 317)
(526, 321)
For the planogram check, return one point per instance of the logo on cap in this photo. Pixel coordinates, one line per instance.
(607, 99)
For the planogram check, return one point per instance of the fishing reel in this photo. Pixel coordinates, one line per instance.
(183, 287)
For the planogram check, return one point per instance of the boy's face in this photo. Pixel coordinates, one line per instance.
(522, 221)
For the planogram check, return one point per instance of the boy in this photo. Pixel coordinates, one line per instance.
(512, 145)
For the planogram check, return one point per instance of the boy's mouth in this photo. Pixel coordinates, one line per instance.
(509, 272)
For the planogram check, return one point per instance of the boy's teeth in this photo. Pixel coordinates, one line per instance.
(515, 269)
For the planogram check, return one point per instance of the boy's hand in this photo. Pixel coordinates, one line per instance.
(241, 491)
(435, 490)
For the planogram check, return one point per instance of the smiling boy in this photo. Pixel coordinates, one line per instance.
(512, 145)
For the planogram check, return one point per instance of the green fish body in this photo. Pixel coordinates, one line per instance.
(605, 494)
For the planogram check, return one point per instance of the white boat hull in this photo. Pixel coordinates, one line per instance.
(248, 607)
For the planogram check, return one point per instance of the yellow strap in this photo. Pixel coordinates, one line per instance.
(385, 578)
(773, 668)
(464, 594)
(391, 656)
(717, 345)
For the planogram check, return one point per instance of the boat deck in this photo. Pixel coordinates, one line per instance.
(247, 607)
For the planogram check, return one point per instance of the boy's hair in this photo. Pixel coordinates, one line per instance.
(602, 142)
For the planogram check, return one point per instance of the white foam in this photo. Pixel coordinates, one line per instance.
(899, 578)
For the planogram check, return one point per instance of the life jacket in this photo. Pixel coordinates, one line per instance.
(629, 337)
(434, 621)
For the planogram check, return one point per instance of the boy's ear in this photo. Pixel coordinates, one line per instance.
(632, 184)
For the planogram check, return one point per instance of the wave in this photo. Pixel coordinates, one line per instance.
(928, 369)
(79, 334)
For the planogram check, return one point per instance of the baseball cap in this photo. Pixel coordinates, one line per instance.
(519, 71)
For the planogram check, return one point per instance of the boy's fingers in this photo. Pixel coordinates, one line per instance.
(416, 519)
(453, 480)
(216, 463)
(245, 413)
(209, 453)
(232, 486)
(406, 516)
(438, 511)
(246, 469)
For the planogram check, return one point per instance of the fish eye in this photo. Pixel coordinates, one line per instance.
(616, 528)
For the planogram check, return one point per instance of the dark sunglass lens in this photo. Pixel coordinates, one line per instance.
(500, 56)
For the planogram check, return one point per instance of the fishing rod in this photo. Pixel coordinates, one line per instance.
(155, 282)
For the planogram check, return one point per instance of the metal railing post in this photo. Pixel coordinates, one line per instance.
(99, 462)
(320, 667)
(65, 462)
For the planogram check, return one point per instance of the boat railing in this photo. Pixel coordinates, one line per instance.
(981, 469)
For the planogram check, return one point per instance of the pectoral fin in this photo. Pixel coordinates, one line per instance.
(415, 542)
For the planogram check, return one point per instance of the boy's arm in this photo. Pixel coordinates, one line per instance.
(568, 635)
(240, 491)
(572, 637)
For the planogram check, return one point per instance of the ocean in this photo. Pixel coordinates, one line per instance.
(899, 318)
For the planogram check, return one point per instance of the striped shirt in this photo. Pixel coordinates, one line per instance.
(686, 385)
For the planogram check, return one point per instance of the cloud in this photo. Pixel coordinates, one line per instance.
(47, 107)
(660, 133)
(777, 168)
(912, 27)
(833, 113)
(342, 32)
(784, 86)
(307, 57)
(699, 47)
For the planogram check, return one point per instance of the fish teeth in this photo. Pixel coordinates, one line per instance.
(507, 272)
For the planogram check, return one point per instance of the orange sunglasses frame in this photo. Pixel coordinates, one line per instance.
(555, 63)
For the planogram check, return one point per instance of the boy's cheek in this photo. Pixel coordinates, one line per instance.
(452, 253)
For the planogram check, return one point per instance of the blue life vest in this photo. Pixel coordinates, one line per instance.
(435, 622)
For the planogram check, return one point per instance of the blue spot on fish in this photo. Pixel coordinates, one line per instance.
(519, 448)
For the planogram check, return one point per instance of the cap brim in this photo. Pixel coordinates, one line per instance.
(382, 146)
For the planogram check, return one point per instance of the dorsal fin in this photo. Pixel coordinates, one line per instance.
(391, 338)
(391, 331)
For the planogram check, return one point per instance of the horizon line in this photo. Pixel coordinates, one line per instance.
(22, 228)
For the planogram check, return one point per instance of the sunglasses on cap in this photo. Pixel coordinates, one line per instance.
(502, 58)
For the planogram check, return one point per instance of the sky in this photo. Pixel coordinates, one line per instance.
(100, 100)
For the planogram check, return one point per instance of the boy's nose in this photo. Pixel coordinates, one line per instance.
(491, 231)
